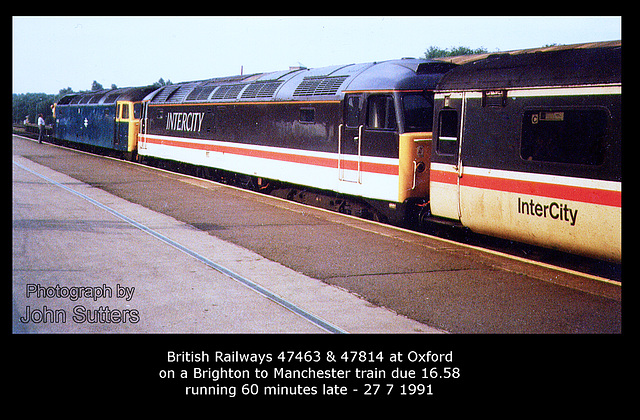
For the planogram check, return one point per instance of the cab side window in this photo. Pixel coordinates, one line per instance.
(125, 111)
(381, 112)
(137, 110)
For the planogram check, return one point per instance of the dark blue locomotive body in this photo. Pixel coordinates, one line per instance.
(109, 119)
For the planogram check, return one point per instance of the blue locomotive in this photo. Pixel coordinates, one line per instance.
(109, 119)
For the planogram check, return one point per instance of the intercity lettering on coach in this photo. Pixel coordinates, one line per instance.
(556, 211)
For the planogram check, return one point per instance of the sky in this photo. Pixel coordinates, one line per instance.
(53, 53)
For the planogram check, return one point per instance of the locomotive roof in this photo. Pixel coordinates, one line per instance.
(107, 96)
(555, 66)
(325, 83)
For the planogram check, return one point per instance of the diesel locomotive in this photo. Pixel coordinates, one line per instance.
(523, 145)
(109, 119)
(360, 130)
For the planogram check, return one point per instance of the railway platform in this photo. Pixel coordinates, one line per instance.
(87, 261)
(337, 273)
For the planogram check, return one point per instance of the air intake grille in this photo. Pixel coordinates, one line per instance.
(111, 98)
(179, 94)
(228, 91)
(316, 86)
(200, 93)
(261, 90)
(96, 98)
(165, 93)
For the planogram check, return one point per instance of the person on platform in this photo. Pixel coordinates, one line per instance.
(40, 128)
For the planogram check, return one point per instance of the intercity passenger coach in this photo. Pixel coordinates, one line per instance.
(528, 147)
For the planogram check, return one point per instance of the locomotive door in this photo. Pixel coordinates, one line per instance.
(350, 140)
(122, 126)
(349, 153)
(447, 165)
(143, 126)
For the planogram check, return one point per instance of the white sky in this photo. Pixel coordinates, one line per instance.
(52, 53)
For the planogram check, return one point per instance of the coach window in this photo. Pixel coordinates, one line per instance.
(564, 136)
(381, 112)
(447, 143)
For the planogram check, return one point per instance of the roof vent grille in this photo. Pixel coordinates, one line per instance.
(316, 86)
(228, 91)
(261, 90)
(165, 93)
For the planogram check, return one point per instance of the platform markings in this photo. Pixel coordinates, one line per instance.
(319, 322)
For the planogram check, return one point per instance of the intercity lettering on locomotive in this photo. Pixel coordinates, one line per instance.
(182, 121)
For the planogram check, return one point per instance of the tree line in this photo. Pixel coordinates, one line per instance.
(435, 52)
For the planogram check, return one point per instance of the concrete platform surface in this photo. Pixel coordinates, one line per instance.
(80, 268)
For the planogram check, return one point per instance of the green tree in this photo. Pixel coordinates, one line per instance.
(32, 104)
(95, 86)
(63, 92)
(161, 83)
